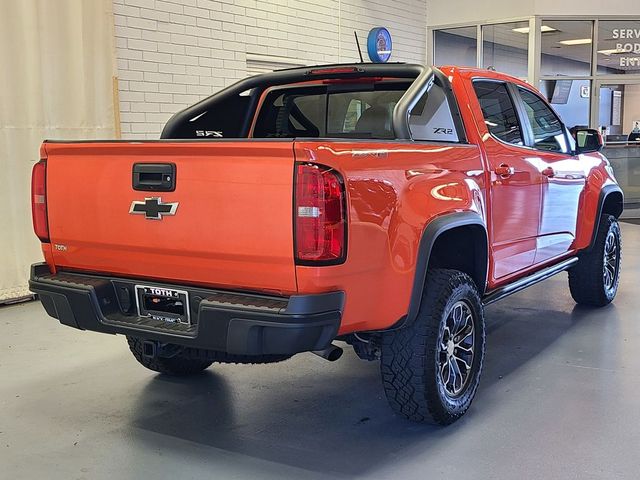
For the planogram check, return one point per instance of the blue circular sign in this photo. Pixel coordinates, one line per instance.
(379, 45)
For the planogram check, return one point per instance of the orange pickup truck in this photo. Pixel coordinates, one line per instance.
(379, 205)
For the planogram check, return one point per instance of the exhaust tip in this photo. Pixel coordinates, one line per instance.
(331, 353)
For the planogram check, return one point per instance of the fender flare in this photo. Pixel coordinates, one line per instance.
(430, 234)
(604, 193)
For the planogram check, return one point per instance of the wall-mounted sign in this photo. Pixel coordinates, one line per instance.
(561, 92)
(585, 91)
(379, 45)
(627, 44)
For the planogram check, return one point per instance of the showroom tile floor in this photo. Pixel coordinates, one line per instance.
(560, 399)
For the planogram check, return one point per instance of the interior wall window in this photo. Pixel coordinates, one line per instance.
(566, 48)
(548, 132)
(570, 99)
(431, 118)
(620, 123)
(505, 48)
(456, 46)
(618, 47)
(499, 111)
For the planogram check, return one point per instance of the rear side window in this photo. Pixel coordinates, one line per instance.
(499, 111)
(353, 111)
(548, 133)
(210, 123)
(431, 118)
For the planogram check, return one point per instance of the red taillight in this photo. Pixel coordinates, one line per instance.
(39, 200)
(334, 70)
(320, 218)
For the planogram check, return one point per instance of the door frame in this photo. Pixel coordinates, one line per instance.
(597, 83)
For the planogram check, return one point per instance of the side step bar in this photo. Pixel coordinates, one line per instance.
(502, 292)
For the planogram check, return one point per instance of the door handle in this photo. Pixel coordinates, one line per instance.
(504, 170)
(154, 177)
(549, 172)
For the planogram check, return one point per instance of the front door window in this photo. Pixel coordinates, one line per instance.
(548, 133)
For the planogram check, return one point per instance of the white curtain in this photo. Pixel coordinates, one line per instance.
(57, 64)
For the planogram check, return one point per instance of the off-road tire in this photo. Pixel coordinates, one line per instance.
(411, 355)
(177, 366)
(587, 279)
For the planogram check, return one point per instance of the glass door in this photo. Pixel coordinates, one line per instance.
(619, 121)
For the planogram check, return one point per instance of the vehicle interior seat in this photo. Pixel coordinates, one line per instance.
(375, 122)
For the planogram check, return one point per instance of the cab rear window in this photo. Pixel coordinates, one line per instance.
(330, 111)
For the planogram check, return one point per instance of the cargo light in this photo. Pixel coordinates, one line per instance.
(334, 70)
(39, 200)
(320, 216)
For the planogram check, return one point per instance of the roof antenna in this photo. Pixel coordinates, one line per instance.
(358, 44)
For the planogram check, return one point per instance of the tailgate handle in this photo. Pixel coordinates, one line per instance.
(154, 177)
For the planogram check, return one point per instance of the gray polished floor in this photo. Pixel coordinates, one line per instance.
(560, 399)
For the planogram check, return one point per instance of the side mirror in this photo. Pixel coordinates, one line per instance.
(588, 140)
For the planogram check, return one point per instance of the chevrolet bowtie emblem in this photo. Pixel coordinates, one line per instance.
(153, 208)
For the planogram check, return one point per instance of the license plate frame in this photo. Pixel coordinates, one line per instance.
(166, 299)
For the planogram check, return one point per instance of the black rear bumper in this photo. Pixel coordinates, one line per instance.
(232, 322)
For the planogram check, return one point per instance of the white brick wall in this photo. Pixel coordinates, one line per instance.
(172, 53)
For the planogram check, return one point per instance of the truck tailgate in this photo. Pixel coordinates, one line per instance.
(232, 226)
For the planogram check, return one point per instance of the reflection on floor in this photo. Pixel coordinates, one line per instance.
(559, 399)
(630, 212)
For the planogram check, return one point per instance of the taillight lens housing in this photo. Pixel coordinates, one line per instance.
(39, 200)
(320, 216)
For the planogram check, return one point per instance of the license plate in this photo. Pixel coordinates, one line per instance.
(163, 304)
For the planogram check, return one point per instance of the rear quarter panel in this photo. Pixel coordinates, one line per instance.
(394, 189)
